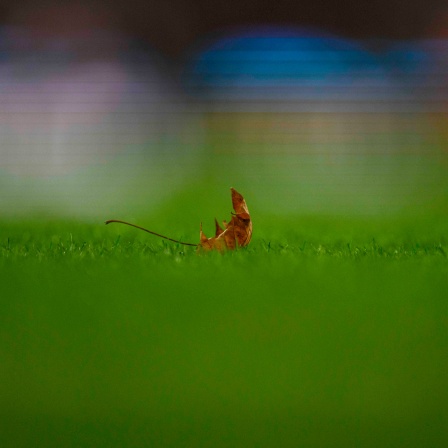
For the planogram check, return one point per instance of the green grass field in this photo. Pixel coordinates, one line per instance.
(324, 332)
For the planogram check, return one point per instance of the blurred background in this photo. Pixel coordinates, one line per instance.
(148, 111)
(110, 108)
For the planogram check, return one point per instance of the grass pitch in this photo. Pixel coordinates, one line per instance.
(321, 333)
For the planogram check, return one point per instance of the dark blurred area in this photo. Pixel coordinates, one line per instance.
(172, 26)
(336, 106)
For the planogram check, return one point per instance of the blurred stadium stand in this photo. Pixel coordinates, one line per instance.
(328, 124)
(86, 121)
(331, 125)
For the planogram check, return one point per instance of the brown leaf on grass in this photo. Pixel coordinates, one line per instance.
(237, 233)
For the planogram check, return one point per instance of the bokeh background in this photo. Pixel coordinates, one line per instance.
(111, 109)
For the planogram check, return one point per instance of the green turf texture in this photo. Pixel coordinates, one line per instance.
(324, 332)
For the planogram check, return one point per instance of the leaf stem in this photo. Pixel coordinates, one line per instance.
(149, 231)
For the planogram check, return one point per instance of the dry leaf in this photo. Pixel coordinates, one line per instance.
(237, 232)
